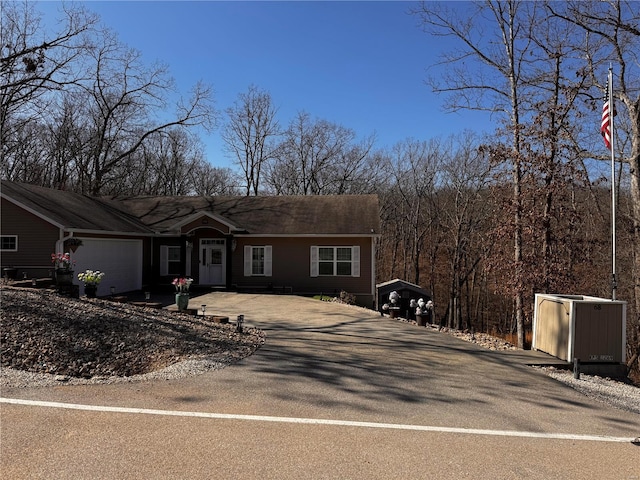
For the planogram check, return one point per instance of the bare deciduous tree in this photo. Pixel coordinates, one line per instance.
(611, 35)
(33, 67)
(318, 157)
(249, 133)
(124, 106)
(464, 213)
(495, 83)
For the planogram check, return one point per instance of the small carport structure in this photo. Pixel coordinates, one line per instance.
(406, 290)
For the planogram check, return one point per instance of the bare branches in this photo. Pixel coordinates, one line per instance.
(249, 132)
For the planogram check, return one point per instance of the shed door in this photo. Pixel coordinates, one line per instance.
(119, 259)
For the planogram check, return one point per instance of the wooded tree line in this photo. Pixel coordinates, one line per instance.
(482, 222)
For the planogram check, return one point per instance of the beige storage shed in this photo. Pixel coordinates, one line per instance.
(590, 329)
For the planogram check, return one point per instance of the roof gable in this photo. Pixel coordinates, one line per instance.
(204, 220)
(72, 211)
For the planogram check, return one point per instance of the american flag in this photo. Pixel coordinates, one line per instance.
(605, 126)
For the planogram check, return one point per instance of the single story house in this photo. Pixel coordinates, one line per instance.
(292, 244)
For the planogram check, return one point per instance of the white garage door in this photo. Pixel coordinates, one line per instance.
(120, 260)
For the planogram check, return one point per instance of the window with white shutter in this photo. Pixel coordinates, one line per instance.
(258, 261)
(335, 261)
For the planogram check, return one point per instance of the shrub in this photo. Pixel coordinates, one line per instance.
(348, 298)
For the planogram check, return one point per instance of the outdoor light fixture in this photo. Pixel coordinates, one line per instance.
(113, 290)
(239, 322)
(204, 308)
(24, 275)
(34, 282)
(147, 296)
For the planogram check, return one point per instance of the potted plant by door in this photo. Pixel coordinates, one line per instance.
(182, 285)
(91, 280)
(62, 263)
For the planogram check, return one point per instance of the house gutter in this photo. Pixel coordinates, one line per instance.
(309, 235)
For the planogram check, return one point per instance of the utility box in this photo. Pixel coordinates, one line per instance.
(591, 329)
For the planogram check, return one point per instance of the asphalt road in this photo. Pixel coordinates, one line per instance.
(335, 393)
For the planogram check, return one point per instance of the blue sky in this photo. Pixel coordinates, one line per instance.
(359, 64)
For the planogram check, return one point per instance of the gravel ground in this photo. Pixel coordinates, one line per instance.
(47, 340)
(620, 395)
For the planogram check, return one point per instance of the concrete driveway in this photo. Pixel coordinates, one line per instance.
(336, 392)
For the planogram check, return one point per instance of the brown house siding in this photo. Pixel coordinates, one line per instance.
(36, 241)
(292, 265)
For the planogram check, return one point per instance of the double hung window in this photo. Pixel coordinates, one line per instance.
(170, 260)
(340, 261)
(257, 260)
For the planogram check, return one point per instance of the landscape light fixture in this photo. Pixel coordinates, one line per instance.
(204, 308)
(147, 296)
(239, 322)
(113, 291)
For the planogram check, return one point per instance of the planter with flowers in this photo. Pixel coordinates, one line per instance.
(394, 308)
(424, 312)
(91, 280)
(62, 263)
(182, 285)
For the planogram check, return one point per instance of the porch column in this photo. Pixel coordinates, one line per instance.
(183, 254)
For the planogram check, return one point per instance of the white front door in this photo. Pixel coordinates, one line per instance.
(213, 255)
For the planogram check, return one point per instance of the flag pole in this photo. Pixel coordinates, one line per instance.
(614, 282)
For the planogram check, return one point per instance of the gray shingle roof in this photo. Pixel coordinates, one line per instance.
(268, 215)
(73, 211)
(276, 215)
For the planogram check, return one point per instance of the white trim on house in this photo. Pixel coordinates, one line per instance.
(306, 235)
(212, 216)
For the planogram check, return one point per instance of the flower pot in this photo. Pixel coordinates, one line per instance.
(90, 290)
(64, 277)
(182, 300)
(421, 320)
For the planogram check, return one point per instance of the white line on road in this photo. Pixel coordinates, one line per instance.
(319, 421)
